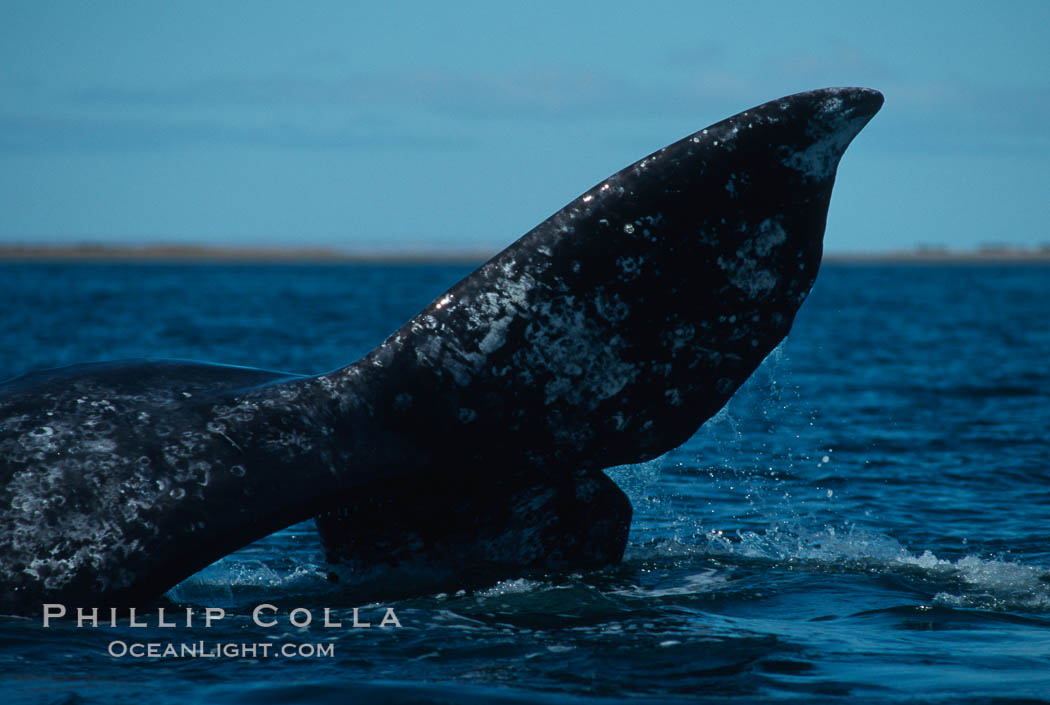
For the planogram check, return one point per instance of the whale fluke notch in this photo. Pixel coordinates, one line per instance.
(472, 439)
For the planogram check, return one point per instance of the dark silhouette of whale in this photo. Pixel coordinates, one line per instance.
(476, 434)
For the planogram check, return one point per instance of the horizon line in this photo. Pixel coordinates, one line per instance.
(263, 254)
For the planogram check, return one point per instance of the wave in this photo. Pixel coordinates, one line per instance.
(969, 581)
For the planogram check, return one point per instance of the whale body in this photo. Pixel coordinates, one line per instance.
(473, 439)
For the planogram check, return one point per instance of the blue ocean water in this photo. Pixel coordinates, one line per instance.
(869, 517)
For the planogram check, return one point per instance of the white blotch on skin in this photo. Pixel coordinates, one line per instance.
(833, 130)
(745, 270)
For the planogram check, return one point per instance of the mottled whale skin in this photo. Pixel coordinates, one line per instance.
(476, 434)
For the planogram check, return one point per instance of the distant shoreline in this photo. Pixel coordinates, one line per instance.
(943, 257)
(278, 255)
(224, 255)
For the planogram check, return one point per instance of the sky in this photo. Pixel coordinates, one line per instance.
(421, 127)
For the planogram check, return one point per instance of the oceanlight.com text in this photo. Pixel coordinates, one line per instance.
(229, 650)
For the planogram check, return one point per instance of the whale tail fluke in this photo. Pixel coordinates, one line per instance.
(604, 336)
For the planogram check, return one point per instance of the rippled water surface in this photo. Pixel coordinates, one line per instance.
(869, 517)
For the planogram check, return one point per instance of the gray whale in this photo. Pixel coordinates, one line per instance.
(473, 439)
